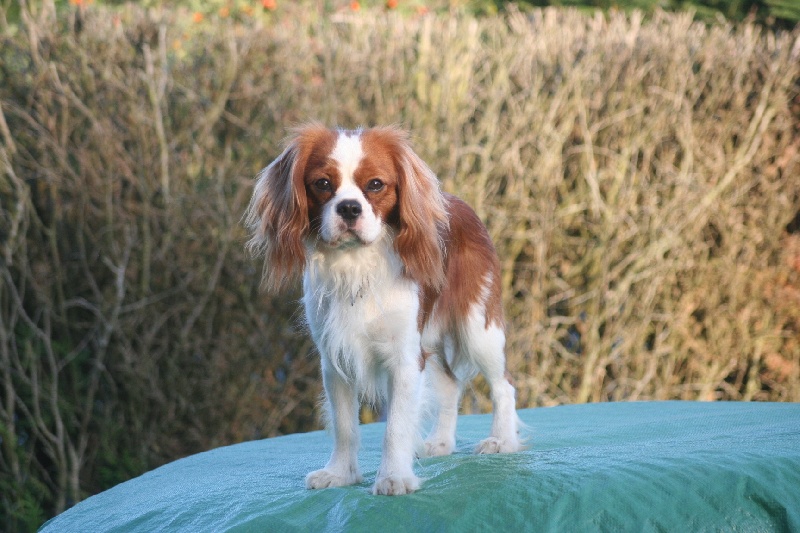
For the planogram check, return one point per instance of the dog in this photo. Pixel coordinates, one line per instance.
(401, 289)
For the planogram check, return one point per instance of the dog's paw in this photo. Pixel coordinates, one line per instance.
(395, 485)
(438, 448)
(497, 445)
(323, 479)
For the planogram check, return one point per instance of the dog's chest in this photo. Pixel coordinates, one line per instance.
(369, 315)
(359, 321)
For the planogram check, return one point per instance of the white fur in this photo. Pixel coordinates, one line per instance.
(348, 152)
(362, 312)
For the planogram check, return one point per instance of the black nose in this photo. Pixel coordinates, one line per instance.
(349, 209)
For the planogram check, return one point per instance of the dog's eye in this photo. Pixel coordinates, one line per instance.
(323, 184)
(375, 185)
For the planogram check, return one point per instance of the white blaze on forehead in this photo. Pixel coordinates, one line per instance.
(348, 154)
(367, 227)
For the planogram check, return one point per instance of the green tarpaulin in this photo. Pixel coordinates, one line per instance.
(663, 466)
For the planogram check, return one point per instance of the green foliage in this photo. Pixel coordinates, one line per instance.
(781, 12)
(787, 10)
(21, 496)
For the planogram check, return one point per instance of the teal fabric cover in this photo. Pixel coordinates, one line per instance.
(664, 466)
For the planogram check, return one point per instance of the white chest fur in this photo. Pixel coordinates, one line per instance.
(362, 313)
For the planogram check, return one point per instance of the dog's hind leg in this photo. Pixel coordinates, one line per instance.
(446, 391)
(484, 346)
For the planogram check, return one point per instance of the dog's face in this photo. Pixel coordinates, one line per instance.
(336, 189)
(352, 191)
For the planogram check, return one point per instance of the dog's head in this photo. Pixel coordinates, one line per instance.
(336, 189)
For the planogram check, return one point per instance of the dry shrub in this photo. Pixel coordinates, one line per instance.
(640, 180)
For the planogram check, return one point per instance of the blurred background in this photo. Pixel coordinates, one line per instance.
(637, 164)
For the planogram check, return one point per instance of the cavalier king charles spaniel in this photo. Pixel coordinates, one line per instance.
(401, 289)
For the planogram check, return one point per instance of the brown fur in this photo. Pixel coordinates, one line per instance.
(470, 256)
(280, 213)
(418, 215)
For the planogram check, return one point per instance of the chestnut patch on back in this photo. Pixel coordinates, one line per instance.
(469, 259)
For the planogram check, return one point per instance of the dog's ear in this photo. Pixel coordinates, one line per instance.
(422, 216)
(277, 216)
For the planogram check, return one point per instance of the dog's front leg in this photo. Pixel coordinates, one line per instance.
(396, 472)
(341, 404)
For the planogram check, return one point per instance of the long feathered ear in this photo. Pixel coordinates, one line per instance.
(423, 217)
(277, 218)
